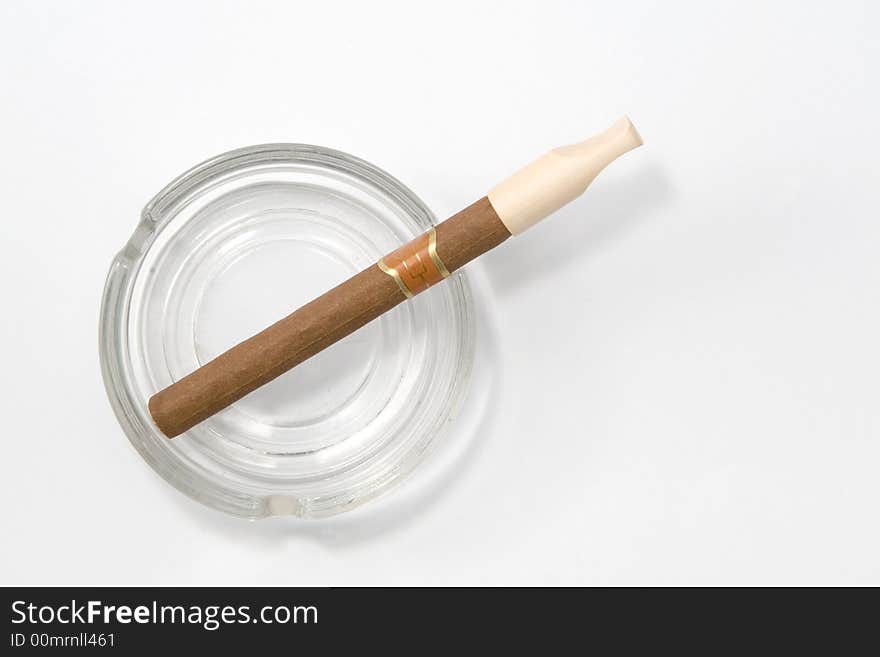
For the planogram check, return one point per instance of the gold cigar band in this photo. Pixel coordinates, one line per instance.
(415, 266)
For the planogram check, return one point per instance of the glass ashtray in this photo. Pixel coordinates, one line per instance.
(232, 246)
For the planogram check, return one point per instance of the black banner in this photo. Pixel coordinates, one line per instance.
(126, 620)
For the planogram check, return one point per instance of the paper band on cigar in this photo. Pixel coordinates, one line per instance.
(415, 266)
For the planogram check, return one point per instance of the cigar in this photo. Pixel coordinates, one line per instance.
(516, 204)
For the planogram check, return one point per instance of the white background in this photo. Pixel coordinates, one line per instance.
(678, 373)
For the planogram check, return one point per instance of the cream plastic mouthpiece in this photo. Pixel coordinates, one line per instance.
(559, 177)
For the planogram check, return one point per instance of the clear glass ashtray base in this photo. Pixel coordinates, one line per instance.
(234, 245)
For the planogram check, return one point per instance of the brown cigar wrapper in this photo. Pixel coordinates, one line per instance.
(329, 318)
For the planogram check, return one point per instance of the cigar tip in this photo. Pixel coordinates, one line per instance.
(628, 131)
(605, 146)
(560, 176)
